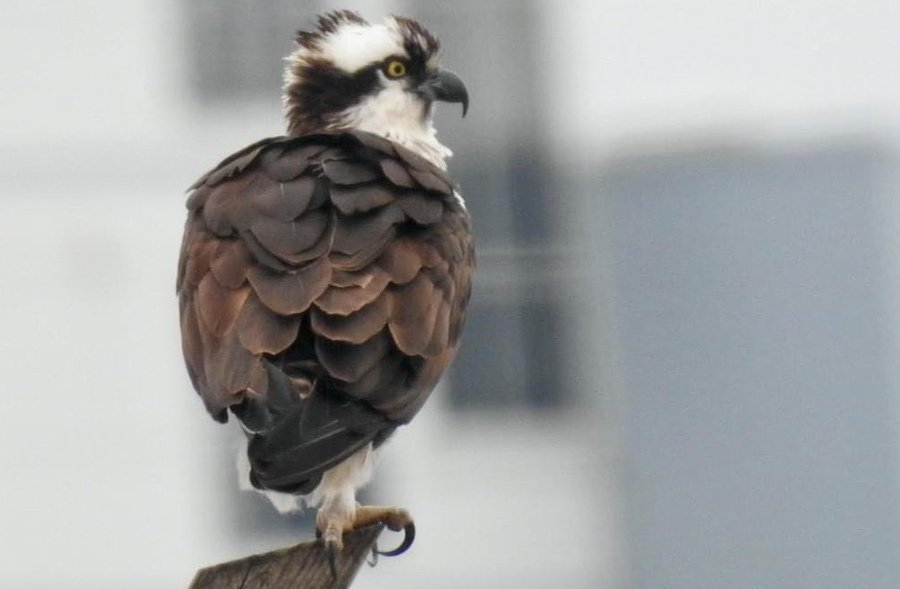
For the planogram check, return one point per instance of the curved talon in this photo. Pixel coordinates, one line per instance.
(409, 535)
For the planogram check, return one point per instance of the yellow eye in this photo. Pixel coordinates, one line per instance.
(395, 69)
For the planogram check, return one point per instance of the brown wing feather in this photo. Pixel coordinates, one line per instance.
(230, 264)
(325, 273)
(285, 201)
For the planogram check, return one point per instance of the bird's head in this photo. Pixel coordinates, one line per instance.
(383, 78)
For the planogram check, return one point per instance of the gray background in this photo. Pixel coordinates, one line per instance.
(680, 365)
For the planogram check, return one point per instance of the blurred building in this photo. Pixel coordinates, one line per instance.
(679, 367)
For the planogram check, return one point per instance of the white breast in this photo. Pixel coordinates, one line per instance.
(399, 116)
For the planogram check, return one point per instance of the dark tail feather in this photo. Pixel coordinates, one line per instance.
(295, 440)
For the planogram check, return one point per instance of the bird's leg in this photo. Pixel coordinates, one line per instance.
(338, 510)
(335, 518)
(341, 513)
(331, 525)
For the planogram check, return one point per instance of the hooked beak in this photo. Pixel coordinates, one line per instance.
(446, 86)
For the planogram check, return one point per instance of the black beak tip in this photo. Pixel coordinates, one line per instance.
(448, 87)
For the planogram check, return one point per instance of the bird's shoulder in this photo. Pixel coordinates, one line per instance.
(286, 157)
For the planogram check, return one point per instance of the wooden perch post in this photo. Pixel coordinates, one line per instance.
(304, 566)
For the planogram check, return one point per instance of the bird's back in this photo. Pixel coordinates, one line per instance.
(323, 283)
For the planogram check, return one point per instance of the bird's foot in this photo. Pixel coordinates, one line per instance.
(330, 527)
(394, 518)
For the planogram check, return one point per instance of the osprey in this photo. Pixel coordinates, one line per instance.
(324, 274)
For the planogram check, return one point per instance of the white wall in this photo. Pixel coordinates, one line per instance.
(624, 71)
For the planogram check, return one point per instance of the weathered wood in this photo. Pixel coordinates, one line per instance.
(304, 566)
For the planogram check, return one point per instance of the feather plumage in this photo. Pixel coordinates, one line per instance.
(324, 276)
(321, 298)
